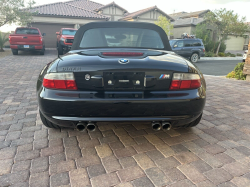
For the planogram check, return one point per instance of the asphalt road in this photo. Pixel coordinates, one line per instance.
(217, 67)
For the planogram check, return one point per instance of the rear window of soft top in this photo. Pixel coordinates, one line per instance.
(121, 38)
(27, 31)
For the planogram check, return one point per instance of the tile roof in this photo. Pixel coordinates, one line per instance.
(79, 8)
(113, 4)
(139, 12)
(188, 15)
(89, 5)
(187, 21)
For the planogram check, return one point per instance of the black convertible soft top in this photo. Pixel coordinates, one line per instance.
(117, 24)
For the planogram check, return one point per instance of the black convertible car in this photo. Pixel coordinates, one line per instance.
(120, 71)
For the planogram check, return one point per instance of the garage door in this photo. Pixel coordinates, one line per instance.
(235, 43)
(50, 30)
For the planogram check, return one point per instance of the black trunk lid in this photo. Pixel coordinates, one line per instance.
(151, 71)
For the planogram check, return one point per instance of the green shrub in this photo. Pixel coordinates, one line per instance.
(239, 71)
(238, 54)
(3, 39)
(231, 75)
(230, 54)
(212, 46)
(222, 47)
(209, 54)
(221, 54)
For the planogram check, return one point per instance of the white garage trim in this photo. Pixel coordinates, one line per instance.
(82, 21)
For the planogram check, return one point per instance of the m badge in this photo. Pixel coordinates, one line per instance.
(164, 76)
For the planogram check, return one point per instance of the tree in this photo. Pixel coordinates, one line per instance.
(203, 33)
(3, 39)
(15, 11)
(227, 23)
(165, 24)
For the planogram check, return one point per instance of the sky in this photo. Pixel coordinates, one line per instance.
(240, 7)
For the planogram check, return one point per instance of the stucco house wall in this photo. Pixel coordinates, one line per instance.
(178, 31)
(115, 13)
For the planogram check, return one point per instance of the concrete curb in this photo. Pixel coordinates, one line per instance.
(221, 58)
(222, 76)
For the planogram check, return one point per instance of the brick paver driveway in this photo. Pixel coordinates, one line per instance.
(215, 153)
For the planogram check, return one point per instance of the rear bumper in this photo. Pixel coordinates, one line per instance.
(31, 47)
(66, 108)
(176, 121)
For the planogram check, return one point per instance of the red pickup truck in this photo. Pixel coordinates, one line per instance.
(65, 38)
(27, 38)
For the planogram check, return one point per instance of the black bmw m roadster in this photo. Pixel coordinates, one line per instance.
(120, 71)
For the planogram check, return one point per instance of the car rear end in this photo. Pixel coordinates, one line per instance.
(26, 39)
(175, 94)
(141, 83)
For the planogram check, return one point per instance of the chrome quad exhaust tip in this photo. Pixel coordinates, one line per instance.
(91, 127)
(81, 126)
(166, 126)
(156, 126)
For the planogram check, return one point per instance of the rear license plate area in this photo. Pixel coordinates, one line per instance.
(123, 80)
(124, 95)
(26, 46)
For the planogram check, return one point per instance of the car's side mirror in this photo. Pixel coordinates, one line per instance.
(175, 46)
(44, 34)
(57, 33)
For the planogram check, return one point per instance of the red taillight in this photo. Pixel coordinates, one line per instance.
(204, 50)
(183, 81)
(9, 38)
(41, 39)
(65, 81)
(121, 54)
(47, 83)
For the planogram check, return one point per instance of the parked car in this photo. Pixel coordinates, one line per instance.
(137, 79)
(28, 39)
(65, 38)
(188, 48)
(245, 56)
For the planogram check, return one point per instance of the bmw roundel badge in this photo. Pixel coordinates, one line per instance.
(123, 61)
(87, 77)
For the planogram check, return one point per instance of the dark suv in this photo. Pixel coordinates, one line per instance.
(188, 48)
